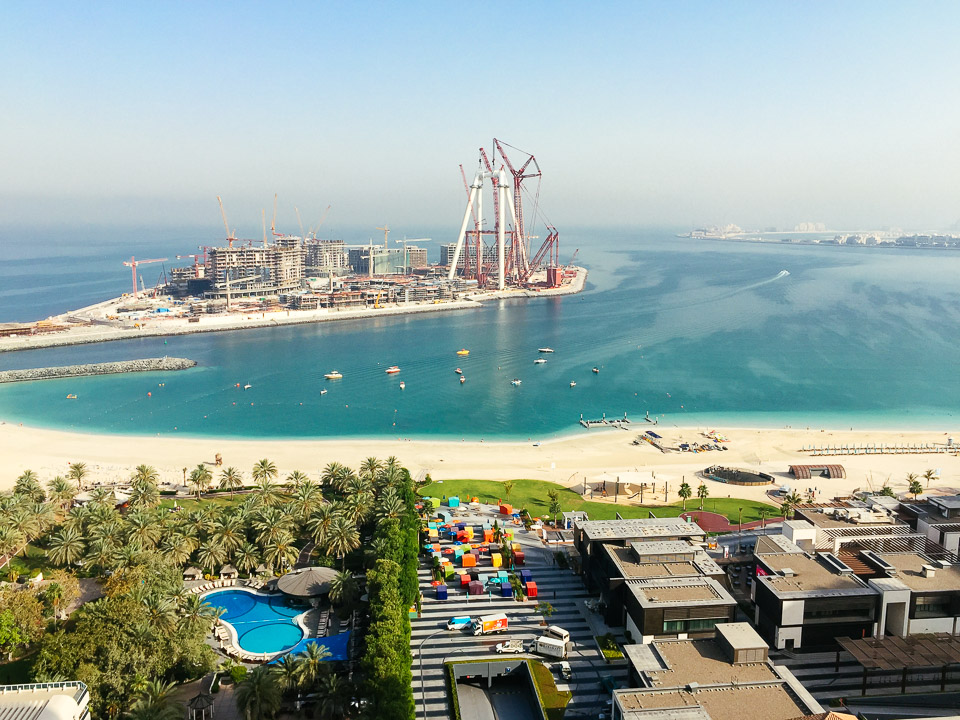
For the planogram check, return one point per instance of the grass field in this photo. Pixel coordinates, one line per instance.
(192, 503)
(532, 495)
(554, 701)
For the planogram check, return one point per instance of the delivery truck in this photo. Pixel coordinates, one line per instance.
(551, 647)
(486, 624)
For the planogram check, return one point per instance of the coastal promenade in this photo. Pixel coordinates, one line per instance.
(92, 324)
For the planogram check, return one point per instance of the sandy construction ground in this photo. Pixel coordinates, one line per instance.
(590, 455)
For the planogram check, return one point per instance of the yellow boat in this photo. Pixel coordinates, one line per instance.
(71, 397)
(463, 352)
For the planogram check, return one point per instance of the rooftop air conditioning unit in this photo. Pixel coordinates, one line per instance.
(788, 572)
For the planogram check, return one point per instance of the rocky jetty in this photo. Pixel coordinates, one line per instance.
(110, 368)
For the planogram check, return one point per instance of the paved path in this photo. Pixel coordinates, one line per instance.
(715, 522)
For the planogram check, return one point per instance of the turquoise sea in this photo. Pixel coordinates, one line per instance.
(694, 332)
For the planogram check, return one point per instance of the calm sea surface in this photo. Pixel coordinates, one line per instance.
(697, 332)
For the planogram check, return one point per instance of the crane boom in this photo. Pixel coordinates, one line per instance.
(223, 214)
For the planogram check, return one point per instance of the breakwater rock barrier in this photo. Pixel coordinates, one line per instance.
(109, 368)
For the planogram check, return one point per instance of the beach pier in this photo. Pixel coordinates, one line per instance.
(618, 423)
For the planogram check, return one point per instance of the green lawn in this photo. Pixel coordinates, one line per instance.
(16, 672)
(224, 499)
(28, 564)
(554, 701)
(532, 495)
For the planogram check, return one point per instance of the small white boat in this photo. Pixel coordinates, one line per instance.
(515, 381)
(573, 383)
(247, 386)
(334, 375)
(462, 379)
(458, 371)
(596, 370)
(402, 384)
(544, 349)
(324, 391)
(539, 361)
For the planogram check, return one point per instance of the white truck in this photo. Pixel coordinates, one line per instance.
(486, 624)
(551, 647)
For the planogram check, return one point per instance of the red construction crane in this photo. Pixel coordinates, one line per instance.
(133, 263)
(518, 256)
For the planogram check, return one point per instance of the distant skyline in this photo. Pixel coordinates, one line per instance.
(758, 114)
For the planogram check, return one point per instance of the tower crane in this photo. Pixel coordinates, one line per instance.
(386, 233)
(230, 235)
(133, 263)
(322, 218)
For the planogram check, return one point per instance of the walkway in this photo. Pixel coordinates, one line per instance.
(716, 523)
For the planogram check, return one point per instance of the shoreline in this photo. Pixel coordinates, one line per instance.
(101, 330)
(568, 461)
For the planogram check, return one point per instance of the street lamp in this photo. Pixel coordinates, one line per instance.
(739, 529)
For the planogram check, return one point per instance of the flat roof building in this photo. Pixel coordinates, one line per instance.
(45, 701)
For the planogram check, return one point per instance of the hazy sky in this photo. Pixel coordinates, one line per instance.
(639, 112)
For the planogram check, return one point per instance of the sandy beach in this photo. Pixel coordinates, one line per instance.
(569, 461)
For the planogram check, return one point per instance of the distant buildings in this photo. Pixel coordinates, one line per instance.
(254, 271)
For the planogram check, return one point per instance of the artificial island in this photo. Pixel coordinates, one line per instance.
(285, 279)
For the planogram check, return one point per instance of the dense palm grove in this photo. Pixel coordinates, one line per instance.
(147, 634)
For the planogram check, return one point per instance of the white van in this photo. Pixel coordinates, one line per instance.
(559, 633)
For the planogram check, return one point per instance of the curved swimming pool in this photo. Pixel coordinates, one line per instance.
(263, 624)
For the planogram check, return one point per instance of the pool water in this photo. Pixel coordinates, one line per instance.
(263, 624)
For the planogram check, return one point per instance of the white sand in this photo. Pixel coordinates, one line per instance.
(567, 461)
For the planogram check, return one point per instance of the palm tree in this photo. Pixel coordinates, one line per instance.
(229, 533)
(146, 474)
(28, 485)
(155, 703)
(161, 613)
(144, 494)
(319, 524)
(306, 498)
(196, 612)
(288, 674)
(77, 472)
(334, 698)
(211, 555)
(703, 492)
(342, 538)
(507, 487)
(390, 505)
(267, 494)
(312, 664)
(280, 553)
(331, 472)
(65, 547)
(685, 492)
(370, 467)
(102, 553)
(10, 540)
(354, 485)
(343, 589)
(357, 508)
(200, 478)
(143, 530)
(264, 470)
(231, 479)
(295, 479)
(259, 695)
(246, 557)
(929, 475)
(916, 487)
(177, 548)
(60, 491)
(272, 524)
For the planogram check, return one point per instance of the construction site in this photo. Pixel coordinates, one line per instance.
(505, 247)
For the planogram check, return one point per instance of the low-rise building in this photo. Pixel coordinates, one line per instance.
(726, 677)
(45, 701)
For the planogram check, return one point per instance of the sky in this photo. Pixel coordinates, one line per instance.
(638, 113)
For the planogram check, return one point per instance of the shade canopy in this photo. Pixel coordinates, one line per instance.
(307, 583)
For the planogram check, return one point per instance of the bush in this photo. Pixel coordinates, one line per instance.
(561, 558)
(609, 647)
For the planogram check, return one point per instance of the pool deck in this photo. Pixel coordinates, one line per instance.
(225, 634)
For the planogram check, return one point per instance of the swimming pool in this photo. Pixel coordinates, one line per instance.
(263, 624)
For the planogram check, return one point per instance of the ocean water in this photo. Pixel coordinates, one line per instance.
(694, 332)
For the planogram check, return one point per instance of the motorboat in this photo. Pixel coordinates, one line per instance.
(515, 381)
(462, 379)
(392, 370)
(596, 370)
(544, 349)
(463, 352)
(333, 375)
(247, 386)
(402, 384)
(71, 396)
(539, 361)
(458, 371)
(324, 391)
(573, 383)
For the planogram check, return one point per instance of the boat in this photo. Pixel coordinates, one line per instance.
(463, 352)
(462, 379)
(402, 384)
(544, 349)
(573, 383)
(71, 396)
(516, 381)
(539, 361)
(458, 371)
(324, 391)
(333, 375)
(247, 386)
(596, 370)
(392, 370)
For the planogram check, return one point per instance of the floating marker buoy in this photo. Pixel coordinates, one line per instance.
(149, 394)
(238, 385)
(234, 403)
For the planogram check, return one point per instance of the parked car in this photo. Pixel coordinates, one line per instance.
(510, 646)
(564, 669)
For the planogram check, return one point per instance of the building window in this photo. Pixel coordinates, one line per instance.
(682, 626)
(931, 608)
